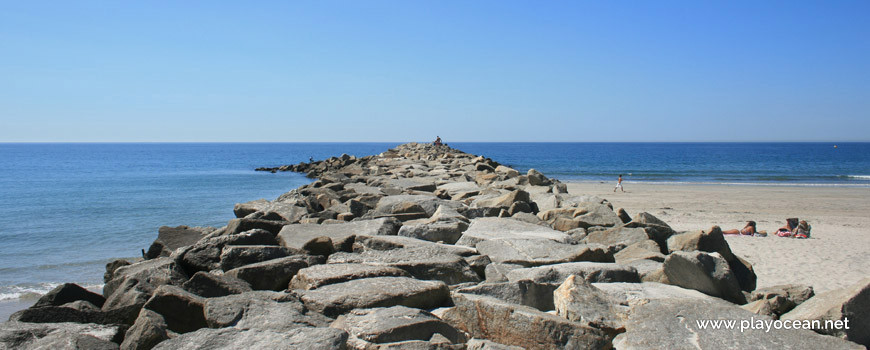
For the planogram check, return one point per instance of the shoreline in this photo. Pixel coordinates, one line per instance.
(834, 257)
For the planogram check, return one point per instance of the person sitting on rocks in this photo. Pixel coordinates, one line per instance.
(437, 141)
(748, 230)
(802, 230)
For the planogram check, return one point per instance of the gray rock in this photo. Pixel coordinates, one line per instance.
(674, 324)
(482, 229)
(67, 293)
(338, 298)
(580, 301)
(618, 235)
(455, 188)
(132, 286)
(850, 303)
(261, 310)
(537, 179)
(422, 263)
(649, 270)
(171, 238)
(503, 201)
(57, 336)
(284, 212)
(448, 232)
(297, 235)
(364, 243)
(597, 215)
(783, 298)
(395, 324)
(713, 241)
(244, 209)
(539, 251)
(497, 272)
(240, 255)
(205, 255)
(272, 274)
(590, 271)
(237, 226)
(707, 273)
(316, 276)
(647, 249)
(232, 338)
(208, 285)
(429, 203)
(524, 292)
(632, 294)
(182, 310)
(656, 228)
(511, 324)
(148, 330)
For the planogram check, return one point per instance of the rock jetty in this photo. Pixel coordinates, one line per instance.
(428, 247)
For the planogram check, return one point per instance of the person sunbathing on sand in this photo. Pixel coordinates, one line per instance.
(802, 230)
(788, 229)
(747, 230)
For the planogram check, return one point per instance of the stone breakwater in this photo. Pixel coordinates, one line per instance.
(425, 247)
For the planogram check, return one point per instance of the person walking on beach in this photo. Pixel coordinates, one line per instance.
(619, 184)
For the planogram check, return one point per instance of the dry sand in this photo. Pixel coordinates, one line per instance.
(837, 255)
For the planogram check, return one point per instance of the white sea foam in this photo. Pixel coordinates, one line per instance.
(35, 291)
(862, 177)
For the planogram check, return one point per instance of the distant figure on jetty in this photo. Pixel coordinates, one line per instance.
(311, 159)
(619, 184)
(437, 141)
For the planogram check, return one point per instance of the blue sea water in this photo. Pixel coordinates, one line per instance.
(67, 209)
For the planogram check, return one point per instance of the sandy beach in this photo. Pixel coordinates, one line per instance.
(836, 256)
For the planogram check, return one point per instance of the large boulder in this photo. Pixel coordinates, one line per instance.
(339, 298)
(688, 324)
(482, 229)
(580, 301)
(149, 330)
(523, 292)
(503, 201)
(833, 308)
(394, 324)
(713, 241)
(441, 231)
(181, 309)
(589, 271)
(618, 235)
(540, 251)
(511, 324)
(58, 336)
(316, 276)
(298, 235)
(132, 286)
(596, 215)
(321, 338)
(67, 293)
(782, 298)
(171, 238)
(707, 273)
(364, 243)
(205, 255)
(208, 285)
(655, 227)
(240, 255)
(272, 274)
(261, 310)
(422, 263)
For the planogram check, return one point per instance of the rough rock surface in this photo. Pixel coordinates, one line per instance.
(338, 298)
(852, 303)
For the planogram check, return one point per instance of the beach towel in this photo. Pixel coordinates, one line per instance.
(783, 233)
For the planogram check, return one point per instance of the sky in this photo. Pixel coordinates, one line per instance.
(376, 70)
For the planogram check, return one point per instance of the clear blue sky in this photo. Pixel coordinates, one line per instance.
(409, 70)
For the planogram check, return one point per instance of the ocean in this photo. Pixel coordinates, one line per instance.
(68, 209)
